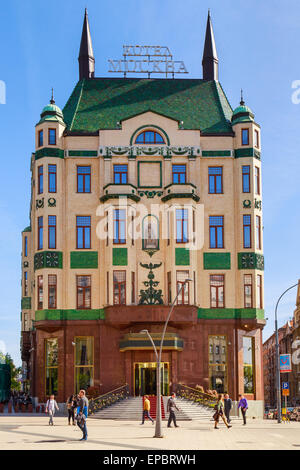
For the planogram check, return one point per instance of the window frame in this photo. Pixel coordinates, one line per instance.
(49, 136)
(183, 220)
(40, 138)
(245, 226)
(119, 287)
(55, 178)
(120, 173)
(242, 135)
(84, 288)
(251, 290)
(178, 286)
(217, 290)
(216, 247)
(256, 139)
(215, 180)
(40, 290)
(259, 301)
(179, 173)
(55, 290)
(258, 232)
(84, 176)
(145, 142)
(40, 179)
(248, 175)
(84, 227)
(40, 234)
(50, 226)
(117, 223)
(257, 180)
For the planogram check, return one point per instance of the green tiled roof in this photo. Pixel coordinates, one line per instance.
(101, 102)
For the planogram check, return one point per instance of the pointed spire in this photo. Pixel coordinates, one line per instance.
(86, 55)
(52, 98)
(210, 58)
(242, 102)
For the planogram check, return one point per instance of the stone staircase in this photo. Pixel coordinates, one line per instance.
(131, 409)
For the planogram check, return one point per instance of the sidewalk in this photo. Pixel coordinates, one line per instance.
(24, 432)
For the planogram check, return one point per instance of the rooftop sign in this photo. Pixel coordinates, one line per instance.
(147, 60)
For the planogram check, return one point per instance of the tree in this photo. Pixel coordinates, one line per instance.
(14, 371)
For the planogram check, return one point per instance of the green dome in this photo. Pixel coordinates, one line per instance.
(51, 112)
(242, 114)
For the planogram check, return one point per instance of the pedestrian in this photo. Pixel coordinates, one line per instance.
(82, 414)
(171, 407)
(51, 406)
(70, 408)
(243, 404)
(146, 410)
(220, 412)
(227, 407)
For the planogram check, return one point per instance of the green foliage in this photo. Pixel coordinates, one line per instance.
(14, 371)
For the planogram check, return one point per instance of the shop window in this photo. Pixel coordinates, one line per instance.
(51, 366)
(248, 359)
(217, 355)
(84, 363)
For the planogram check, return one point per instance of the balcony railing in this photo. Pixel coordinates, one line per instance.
(114, 191)
(180, 190)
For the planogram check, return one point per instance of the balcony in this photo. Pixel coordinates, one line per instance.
(124, 316)
(179, 191)
(114, 191)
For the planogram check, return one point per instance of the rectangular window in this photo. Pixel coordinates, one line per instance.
(247, 231)
(248, 291)
(216, 231)
(178, 174)
(25, 246)
(259, 291)
(256, 139)
(40, 179)
(84, 363)
(248, 359)
(40, 293)
(40, 232)
(181, 225)
(120, 174)
(215, 180)
(184, 293)
(83, 179)
(52, 136)
(168, 228)
(133, 287)
(25, 284)
(217, 359)
(52, 291)
(245, 136)
(52, 232)
(195, 291)
(83, 232)
(119, 287)
(169, 287)
(119, 226)
(52, 178)
(257, 181)
(217, 291)
(40, 138)
(83, 292)
(51, 347)
(246, 178)
(258, 232)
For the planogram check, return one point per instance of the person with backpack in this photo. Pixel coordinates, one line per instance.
(219, 412)
(51, 406)
(171, 407)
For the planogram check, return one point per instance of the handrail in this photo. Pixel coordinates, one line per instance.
(108, 399)
(192, 394)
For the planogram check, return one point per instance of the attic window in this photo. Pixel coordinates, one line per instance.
(149, 137)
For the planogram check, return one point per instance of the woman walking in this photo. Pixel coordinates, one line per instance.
(220, 412)
(71, 408)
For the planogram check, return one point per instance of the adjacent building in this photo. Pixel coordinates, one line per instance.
(138, 185)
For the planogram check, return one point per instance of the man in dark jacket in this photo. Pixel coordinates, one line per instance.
(171, 407)
(82, 413)
(227, 407)
(243, 404)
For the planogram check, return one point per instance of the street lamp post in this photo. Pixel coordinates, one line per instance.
(278, 391)
(158, 432)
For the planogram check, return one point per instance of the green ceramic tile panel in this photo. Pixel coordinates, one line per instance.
(83, 153)
(26, 303)
(84, 259)
(120, 257)
(250, 260)
(49, 152)
(48, 259)
(216, 261)
(70, 314)
(216, 153)
(182, 257)
(230, 313)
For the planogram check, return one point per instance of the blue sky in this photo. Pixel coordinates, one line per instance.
(258, 46)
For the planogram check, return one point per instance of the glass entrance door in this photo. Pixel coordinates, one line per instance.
(145, 378)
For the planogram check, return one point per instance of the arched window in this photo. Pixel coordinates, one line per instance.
(150, 233)
(149, 137)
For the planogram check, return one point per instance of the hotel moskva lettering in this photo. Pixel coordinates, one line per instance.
(151, 59)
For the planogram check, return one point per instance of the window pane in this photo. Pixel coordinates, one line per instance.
(217, 354)
(51, 381)
(245, 137)
(52, 137)
(248, 364)
(52, 352)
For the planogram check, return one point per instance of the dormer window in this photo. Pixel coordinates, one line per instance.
(52, 137)
(149, 138)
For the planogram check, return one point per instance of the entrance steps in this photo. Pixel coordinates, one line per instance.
(131, 409)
